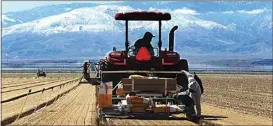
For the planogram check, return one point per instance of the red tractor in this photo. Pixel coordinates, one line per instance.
(165, 60)
(164, 71)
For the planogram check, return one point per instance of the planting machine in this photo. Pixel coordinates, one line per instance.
(132, 85)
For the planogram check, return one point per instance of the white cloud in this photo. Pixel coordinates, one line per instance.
(228, 12)
(165, 2)
(95, 2)
(106, 2)
(186, 11)
(161, 10)
(256, 11)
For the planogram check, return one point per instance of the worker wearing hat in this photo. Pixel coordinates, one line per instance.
(144, 42)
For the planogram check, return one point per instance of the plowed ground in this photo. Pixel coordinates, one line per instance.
(228, 100)
(15, 86)
(250, 94)
(76, 108)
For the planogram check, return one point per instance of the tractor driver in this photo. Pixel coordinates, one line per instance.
(144, 42)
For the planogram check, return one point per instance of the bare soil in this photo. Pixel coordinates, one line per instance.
(20, 105)
(249, 94)
(76, 108)
(229, 99)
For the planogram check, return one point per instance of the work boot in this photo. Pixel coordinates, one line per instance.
(190, 112)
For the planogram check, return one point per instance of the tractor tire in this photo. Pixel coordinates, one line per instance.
(183, 65)
(182, 79)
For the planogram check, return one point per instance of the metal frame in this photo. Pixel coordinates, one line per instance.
(141, 71)
(127, 40)
(113, 112)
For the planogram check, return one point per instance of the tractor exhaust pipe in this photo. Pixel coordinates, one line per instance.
(171, 38)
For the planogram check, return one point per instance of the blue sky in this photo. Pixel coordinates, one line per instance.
(11, 6)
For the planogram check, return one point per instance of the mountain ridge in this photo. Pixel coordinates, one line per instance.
(92, 31)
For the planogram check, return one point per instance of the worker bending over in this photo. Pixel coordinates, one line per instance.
(191, 88)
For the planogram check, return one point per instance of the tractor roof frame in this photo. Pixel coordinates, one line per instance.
(142, 16)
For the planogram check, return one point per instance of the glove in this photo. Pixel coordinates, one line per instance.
(187, 91)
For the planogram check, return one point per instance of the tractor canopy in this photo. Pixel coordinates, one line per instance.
(143, 15)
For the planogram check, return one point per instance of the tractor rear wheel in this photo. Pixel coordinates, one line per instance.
(183, 65)
(182, 79)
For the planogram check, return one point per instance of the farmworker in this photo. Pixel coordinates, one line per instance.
(189, 93)
(199, 82)
(144, 42)
(194, 91)
(184, 98)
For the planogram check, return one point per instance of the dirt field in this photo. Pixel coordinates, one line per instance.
(76, 108)
(16, 86)
(250, 94)
(228, 100)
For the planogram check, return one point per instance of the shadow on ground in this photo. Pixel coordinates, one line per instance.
(212, 117)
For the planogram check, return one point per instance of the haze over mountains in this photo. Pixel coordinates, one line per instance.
(206, 30)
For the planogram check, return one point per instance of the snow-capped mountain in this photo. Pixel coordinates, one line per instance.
(9, 21)
(75, 30)
(204, 7)
(100, 19)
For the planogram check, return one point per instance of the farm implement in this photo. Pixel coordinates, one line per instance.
(135, 82)
(140, 96)
(41, 73)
